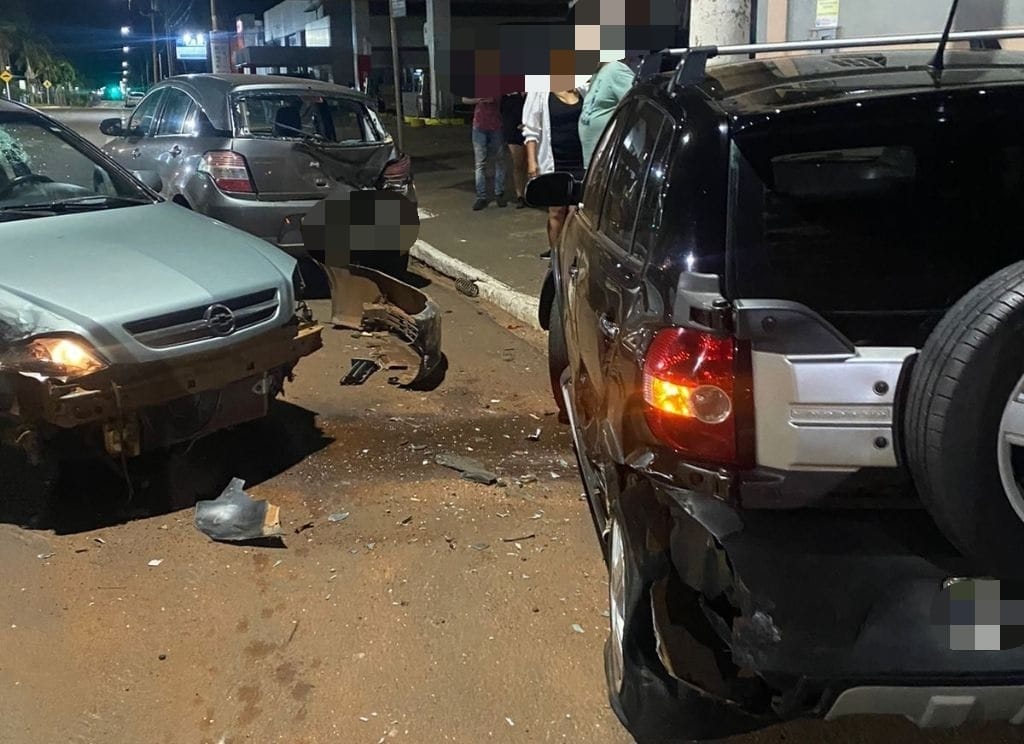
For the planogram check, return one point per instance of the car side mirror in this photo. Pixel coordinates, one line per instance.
(112, 127)
(553, 190)
(150, 178)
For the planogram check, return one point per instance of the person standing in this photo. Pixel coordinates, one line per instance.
(552, 136)
(608, 87)
(488, 150)
(512, 120)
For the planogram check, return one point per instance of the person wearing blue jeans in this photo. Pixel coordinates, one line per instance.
(488, 148)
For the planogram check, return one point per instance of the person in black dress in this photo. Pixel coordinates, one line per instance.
(564, 109)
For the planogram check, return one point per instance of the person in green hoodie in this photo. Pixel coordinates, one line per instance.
(608, 87)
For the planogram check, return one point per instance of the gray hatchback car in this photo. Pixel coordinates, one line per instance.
(259, 152)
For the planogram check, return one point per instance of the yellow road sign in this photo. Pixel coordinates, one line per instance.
(47, 84)
(6, 77)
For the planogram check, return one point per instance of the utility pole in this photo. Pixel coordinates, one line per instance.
(213, 15)
(720, 23)
(152, 25)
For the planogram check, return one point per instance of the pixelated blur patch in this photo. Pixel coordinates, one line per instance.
(980, 614)
(531, 57)
(347, 223)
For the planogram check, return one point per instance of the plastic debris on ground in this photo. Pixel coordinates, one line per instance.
(337, 517)
(471, 470)
(234, 516)
(360, 371)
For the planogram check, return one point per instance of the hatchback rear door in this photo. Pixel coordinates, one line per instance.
(299, 143)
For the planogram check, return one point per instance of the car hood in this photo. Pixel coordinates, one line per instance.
(134, 262)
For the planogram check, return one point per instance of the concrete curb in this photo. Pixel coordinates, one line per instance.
(519, 305)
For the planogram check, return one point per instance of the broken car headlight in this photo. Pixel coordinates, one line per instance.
(64, 357)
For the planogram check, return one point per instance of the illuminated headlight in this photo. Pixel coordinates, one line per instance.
(57, 356)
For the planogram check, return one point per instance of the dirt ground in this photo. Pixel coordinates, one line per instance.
(438, 611)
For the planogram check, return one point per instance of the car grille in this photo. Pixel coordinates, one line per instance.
(189, 326)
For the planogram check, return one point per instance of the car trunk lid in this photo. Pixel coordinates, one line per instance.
(299, 144)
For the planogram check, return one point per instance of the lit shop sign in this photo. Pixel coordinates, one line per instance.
(192, 47)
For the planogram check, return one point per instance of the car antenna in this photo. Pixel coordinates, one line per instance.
(939, 60)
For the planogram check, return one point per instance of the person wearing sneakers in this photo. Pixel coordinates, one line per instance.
(488, 149)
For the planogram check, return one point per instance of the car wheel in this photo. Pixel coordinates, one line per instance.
(558, 356)
(964, 424)
(639, 691)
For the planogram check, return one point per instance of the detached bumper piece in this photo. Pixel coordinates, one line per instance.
(409, 323)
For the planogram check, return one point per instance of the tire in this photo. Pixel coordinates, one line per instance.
(652, 706)
(558, 356)
(960, 385)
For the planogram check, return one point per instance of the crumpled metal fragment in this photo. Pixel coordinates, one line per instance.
(235, 516)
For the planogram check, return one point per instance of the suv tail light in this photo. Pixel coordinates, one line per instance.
(228, 170)
(397, 175)
(697, 387)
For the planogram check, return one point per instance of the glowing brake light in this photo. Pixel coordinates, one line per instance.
(696, 387)
(228, 170)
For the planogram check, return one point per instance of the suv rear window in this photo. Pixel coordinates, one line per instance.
(298, 115)
(897, 230)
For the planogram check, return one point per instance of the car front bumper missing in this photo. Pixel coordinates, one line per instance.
(124, 401)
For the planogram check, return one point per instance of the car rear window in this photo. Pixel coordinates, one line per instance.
(301, 114)
(905, 223)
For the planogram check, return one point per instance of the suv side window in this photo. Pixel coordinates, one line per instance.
(601, 165)
(141, 123)
(176, 113)
(627, 179)
(648, 221)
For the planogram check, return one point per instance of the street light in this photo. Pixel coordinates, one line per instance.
(126, 49)
(125, 30)
(124, 64)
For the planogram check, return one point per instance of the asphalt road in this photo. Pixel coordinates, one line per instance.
(438, 611)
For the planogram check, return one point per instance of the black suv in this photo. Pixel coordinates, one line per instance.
(787, 329)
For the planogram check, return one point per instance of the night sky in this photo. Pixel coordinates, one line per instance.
(88, 32)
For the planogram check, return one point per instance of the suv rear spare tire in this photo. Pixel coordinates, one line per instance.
(964, 424)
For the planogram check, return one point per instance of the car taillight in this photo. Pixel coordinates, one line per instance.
(397, 174)
(697, 387)
(228, 170)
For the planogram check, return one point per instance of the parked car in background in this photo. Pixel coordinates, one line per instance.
(133, 98)
(258, 152)
(127, 323)
(786, 329)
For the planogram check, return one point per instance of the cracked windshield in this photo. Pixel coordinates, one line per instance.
(589, 371)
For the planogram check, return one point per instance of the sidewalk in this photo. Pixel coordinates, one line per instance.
(498, 246)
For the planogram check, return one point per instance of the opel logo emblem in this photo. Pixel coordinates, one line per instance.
(220, 320)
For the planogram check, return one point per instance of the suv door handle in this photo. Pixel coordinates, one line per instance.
(174, 151)
(608, 328)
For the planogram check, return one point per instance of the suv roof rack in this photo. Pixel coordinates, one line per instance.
(692, 67)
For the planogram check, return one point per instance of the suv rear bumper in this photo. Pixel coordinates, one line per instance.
(828, 608)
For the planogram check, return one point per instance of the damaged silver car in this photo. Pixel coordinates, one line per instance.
(133, 342)
(121, 329)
